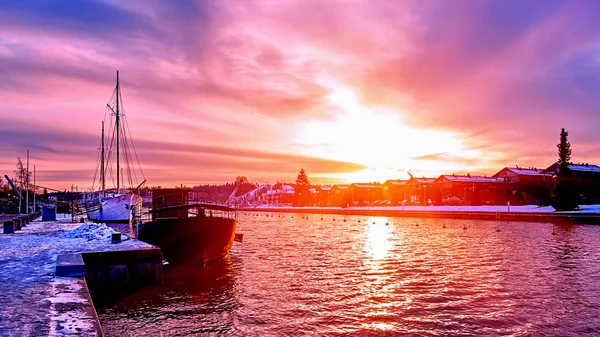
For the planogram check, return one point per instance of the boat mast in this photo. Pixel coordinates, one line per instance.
(117, 127)
(102, 164)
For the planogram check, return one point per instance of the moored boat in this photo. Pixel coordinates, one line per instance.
(115, 208)
(121, 204)
(188, 233)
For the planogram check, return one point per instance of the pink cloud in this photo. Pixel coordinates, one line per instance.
(232, 76)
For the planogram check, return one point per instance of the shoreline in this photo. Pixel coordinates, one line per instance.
(495, 213)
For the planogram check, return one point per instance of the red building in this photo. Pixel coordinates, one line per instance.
(420, 189)
(585, 176)
(324, 196)
(340, 196)
(464, 190)
(519, 185)
(365, 194)
(395, 191)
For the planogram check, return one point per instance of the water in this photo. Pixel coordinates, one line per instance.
(382, 276)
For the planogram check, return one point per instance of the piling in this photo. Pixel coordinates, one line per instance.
(9, 227)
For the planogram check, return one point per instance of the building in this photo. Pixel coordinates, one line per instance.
(519, 185)
(285, 195)
(340, 196)
(585, 176)
(324, 196)
(420, 189)
(365, 194)
(464, 190)
(394, 191)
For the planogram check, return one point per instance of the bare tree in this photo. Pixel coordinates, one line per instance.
(22, 176)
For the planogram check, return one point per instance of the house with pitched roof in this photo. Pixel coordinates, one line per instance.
(519, 185)
(394, 191)
(585, 176)
(455, 189)
(420, 189)
(284, 194)
(340, 195)
(365, 194)
(324, 195)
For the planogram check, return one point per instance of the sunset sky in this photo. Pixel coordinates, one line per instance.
(348, 90)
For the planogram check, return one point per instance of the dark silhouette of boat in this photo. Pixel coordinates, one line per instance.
(191, 233)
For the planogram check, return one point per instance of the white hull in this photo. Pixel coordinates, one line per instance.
(117, 209)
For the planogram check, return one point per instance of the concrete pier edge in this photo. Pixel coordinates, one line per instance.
(582, 218)
(73, 265)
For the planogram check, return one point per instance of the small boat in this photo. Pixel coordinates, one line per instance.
(189, 233)
(121, 204)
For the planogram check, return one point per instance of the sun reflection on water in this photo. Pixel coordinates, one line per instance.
(378, 238)
(377, 287)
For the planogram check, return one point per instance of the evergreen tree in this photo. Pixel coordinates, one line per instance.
(566, 194)
(302, 187)
(564, 154)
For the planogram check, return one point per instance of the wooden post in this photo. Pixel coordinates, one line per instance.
(9, 227)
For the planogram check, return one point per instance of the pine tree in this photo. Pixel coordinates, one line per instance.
(564, 154)
(566, 194)
(302, 187)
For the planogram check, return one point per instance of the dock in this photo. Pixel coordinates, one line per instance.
(499, 215)
(47, 270)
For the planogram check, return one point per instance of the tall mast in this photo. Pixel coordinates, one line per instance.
(34, 190)
(118, 131)
(102, 163)
(27, 185)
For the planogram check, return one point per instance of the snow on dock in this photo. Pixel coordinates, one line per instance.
(35, 301)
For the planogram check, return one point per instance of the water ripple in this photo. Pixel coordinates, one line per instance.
(380, 276)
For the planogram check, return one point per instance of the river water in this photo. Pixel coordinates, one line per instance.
(353, 275)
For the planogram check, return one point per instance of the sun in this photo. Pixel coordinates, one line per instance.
(373, 136)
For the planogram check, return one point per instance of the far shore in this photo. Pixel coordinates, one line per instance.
(589, 214)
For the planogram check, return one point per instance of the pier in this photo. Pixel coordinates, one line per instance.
(49, 268)
(501, 214)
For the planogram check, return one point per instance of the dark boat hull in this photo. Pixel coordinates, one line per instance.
(195, 240)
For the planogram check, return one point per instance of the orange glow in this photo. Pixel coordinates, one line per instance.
(375, 137)
(378, 238)
(352, 92)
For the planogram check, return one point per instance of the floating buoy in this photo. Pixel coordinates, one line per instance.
(359, 221)
(465, 227)
(373, 222)
(417, 224)
(497, 229)
(333, 219)
(321, 218)
(387, 223)
(344, 220)
(444, 226)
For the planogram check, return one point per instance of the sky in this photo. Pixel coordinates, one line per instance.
(349, 90)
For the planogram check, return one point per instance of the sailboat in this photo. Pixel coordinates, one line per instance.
(121, 204)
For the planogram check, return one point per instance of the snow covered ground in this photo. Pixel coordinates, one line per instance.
(33, 301)
(587, 209)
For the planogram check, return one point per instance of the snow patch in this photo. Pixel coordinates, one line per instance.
(90, 231)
